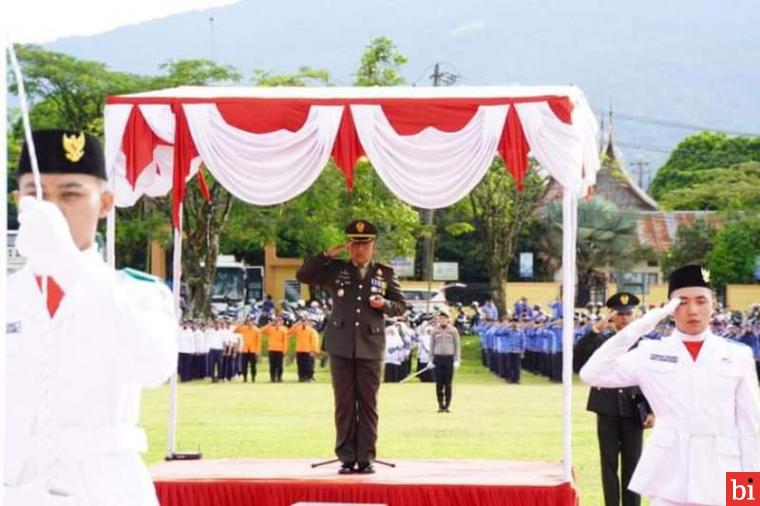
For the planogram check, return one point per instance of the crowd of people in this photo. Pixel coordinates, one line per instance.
(530, 338)
(223, 351)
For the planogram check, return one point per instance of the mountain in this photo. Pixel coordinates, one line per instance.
(688, 63)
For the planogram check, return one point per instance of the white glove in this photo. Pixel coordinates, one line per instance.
(44, 238)
(648, 322)
(431, 365)
(456, 365)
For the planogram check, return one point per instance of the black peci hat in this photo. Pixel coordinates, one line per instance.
(64, 152)
(623, 302)
(361, 231)
(688, 276)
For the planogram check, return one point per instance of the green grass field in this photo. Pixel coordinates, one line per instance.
(489, 420)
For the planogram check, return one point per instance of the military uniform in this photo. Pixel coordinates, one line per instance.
(618, 421)
(355, 341)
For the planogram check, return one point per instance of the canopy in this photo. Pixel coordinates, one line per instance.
(430, 146)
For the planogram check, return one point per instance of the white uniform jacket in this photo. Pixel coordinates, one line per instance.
(73, 387)
(706, 412)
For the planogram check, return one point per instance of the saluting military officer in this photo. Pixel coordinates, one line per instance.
(618, 421)
(71, 440)
(363, 291)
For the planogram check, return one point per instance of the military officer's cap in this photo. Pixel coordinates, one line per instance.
(623, 302)
(443, 311)
(64, 152)
(361, 231)
(689, 276)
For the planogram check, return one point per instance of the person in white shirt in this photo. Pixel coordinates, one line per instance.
(186, 349)
(72, 440)
(703, 390)
(200, 358)
(393, 352)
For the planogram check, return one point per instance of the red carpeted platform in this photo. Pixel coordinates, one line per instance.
(410, 483)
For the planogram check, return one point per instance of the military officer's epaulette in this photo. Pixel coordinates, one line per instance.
(140, 275)
(383, 264)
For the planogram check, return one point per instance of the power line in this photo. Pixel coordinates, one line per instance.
(676, 124)
(643, 147)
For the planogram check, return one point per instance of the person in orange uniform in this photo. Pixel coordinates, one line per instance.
(307, 344)
(277, 346)
(251, 347)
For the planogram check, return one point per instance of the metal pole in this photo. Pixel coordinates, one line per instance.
(569, 224)
(171, 443)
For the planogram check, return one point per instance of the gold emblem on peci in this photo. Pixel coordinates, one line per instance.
(73, 145)
(705, 275)
(624, 299)
(360, 226)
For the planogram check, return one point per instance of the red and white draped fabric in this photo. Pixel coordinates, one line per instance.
(430, 146)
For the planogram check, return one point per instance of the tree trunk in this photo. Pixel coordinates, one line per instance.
(205, 221)
(497, 278)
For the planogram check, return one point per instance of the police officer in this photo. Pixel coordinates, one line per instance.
(446, 349)
(618, 421)
(363, 291)
(71, 439)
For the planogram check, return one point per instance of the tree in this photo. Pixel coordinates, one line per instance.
(499, 212)
(68, 92)
(698, 153)
(305, 76)
(604, 236)
(380, 64)
(735, 187)
(691, 246)
(203, 220)
(735, 252)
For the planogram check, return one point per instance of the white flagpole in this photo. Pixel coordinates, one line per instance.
(171, 443)
(569, 233)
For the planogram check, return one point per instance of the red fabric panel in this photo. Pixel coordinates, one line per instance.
(693, 347)
(245, 102)
(513, 147)
(347, 148)
(202, 186)
(184, 152)
(54, 294)
(284, 493)
(138, 144)
(412, 118)
(263, 117)
(562, 108)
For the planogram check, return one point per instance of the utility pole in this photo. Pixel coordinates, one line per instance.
(642, 167)
(211, 33)
(447, 79)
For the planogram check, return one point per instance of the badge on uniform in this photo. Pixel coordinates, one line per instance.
(341, 292)
(663, 358)
(13, 328)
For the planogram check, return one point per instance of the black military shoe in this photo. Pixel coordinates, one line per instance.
(366, 468)
(347, 468)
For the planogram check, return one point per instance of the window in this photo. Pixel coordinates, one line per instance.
(292, 290)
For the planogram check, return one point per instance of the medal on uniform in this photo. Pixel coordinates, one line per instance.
(341, 292)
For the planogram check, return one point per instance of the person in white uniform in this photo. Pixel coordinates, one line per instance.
(703, 390)
(71, 424)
